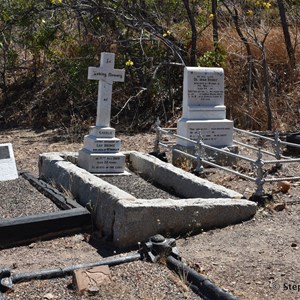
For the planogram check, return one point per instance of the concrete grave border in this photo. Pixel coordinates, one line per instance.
(127, 220)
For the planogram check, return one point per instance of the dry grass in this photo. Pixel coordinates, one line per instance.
(249, 111)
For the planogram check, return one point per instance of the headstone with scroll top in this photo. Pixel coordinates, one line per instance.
(203, 108)
(8, 169)
(100, 153)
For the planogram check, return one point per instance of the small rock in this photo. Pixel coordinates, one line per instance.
(279, 206)
(294, 245)
(49, 296)
(32, 245)
(14, 265)
(283, 186)
(93, 290)
(78, 238)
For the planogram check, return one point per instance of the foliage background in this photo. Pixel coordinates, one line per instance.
(46, 47)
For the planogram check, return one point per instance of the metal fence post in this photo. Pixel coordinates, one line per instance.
(259, 175)
(158, 135)
(199, 153)
(277, 148)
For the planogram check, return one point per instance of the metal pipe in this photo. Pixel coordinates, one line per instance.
(215, 165)
(290, 144)
(229, 153)
(282, 179)
(209, 147)
(164, 145)
(62, 272)
(253, 148)
(198, 283)
(254, 134)
(177, 136)
(282, 161)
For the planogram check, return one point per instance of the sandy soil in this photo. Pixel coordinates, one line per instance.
(258, 259)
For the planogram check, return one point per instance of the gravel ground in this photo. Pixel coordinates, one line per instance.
(136, 280)
(255, 260)
(128, 281)
(19, 198)
(138, 187)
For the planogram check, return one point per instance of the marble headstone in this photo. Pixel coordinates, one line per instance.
(8, 169)
(203, 108)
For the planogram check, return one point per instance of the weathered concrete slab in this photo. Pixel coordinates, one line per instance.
(144, 218)
(85, 187)
(127, 220)
(183, 183)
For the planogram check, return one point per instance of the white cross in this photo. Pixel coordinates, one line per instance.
(107, 75)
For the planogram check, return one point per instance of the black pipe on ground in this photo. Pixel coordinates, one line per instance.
(198, 283)
(62, 272)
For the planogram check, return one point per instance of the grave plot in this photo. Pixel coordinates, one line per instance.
(119, 216)
(139, 187)
(19, 198)
(31, 209)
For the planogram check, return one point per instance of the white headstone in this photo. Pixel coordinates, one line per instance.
(101, 148)
(8, 169)
(203, 108)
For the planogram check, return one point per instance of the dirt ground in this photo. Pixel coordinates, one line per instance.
(258, 259)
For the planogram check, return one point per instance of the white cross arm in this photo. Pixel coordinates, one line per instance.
(100, 73)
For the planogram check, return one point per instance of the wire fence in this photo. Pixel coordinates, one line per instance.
(258, 164)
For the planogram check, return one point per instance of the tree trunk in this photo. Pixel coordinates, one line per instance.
(286, 33)
(193, 60)
(215, 24)
(266, 87)
(251, 71)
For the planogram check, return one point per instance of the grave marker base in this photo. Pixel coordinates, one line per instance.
(102, 145)
(217, 133)
(206, 112)
(102, 132)
(101, 162)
